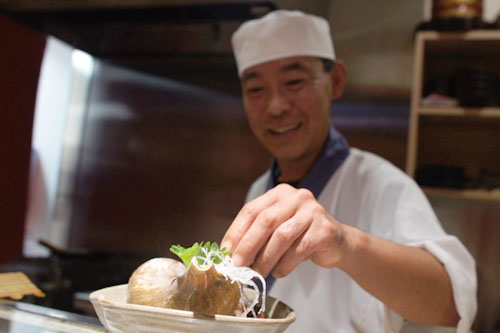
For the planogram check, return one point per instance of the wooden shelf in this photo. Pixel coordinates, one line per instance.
(460, 36)
(468, 138)
(482, 195)
(489, 112)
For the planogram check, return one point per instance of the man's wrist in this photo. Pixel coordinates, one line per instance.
(356, 242)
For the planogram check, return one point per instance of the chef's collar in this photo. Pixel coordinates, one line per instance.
(333, 153)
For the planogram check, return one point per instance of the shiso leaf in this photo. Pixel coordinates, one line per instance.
(197, 250)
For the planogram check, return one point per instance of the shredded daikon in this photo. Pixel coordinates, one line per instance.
(240, 275)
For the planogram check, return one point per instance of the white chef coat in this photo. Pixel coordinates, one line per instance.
(371, 194)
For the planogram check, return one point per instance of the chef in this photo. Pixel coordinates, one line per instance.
(345, 238)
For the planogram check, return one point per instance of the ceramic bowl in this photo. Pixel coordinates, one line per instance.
(117, 315)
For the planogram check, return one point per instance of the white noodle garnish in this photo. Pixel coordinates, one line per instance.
(240, 275)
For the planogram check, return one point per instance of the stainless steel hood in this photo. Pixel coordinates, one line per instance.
(186, 40)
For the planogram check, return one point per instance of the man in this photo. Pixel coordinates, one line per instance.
(351, 240)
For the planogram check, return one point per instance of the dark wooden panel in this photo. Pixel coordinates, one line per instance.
(21, 52)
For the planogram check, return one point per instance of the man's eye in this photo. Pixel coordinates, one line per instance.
(254, 91)
(294, 83)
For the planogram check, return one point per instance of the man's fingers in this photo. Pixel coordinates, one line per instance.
(260, 231)
(300, 250)
(297, 253)
(253, 228)
(279, 242)
(243, 221)
(322, 242)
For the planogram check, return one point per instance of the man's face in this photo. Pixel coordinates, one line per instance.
(287, 102)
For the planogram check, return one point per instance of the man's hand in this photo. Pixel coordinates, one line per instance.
(281, 229)
(286, 226)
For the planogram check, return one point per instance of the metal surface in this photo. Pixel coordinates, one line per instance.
(19, 317)
(159, 163)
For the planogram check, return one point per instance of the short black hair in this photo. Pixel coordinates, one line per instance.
(327, 64)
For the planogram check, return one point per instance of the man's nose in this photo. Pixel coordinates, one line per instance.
(278, 103)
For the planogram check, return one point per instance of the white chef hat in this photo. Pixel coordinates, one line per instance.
(281, 34)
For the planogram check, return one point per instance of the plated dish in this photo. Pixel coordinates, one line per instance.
(117, 315)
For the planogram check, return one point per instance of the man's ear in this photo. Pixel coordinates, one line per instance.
(338, 75)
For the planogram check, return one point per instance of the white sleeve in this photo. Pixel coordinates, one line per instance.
(461, 269)
(381, 200)
(427, 233)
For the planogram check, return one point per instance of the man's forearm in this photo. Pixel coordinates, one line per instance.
(409, 280)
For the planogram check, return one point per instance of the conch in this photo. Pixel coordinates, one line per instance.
(164, 282)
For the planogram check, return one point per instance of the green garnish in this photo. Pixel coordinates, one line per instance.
(196, 251)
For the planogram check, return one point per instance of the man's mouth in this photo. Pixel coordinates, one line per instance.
(284, 129)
